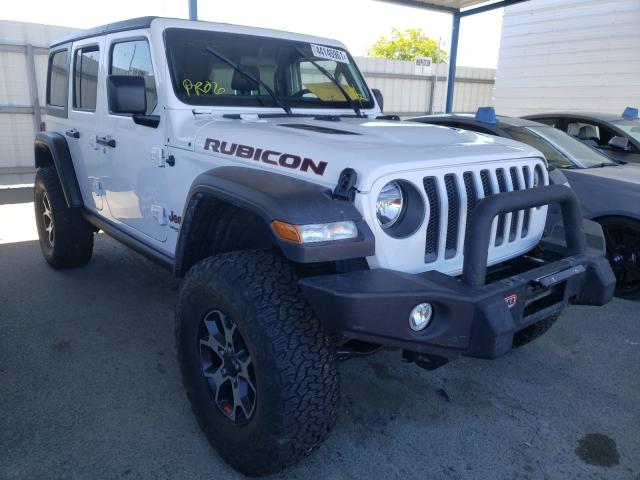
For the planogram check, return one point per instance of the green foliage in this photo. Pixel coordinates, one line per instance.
(407, 45)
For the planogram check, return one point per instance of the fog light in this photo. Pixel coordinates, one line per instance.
(420, 316)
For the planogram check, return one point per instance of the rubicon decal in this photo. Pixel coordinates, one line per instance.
(286, 160)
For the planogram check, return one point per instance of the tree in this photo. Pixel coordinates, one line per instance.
(407, 45)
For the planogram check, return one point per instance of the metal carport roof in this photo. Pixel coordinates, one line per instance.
(457, 8)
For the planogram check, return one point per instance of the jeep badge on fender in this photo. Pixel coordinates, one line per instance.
(301, 221)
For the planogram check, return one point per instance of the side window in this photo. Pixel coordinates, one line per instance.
(552, 122)
(592, 134)
(133, 58)
(606, 134)
(85, 78)
(58, 83)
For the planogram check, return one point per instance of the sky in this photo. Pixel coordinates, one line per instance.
(357, 23)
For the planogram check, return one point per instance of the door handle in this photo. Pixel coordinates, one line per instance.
(105, 140)
(73, 133)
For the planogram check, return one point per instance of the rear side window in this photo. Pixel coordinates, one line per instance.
(85, 78)
(58, 81)
(133, 58)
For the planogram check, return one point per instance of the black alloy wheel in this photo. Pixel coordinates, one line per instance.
(226, 365)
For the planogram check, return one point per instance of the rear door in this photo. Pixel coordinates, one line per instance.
(85, 110)
(136, 189)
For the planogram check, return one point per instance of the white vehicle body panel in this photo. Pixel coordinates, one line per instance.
(379, 151)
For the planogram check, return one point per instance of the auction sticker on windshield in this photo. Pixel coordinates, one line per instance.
(329, 53)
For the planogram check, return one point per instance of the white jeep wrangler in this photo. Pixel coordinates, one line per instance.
(307, 227)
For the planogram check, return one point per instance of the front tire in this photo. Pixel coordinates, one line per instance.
(66, 239)
(622, 236)
(259, 370)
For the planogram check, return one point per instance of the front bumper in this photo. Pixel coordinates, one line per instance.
(478, 314)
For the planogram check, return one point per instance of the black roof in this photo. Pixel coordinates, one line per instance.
(603, 117)
(131, 24)
(502, 121)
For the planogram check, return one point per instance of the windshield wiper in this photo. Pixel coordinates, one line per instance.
(351, 101)
(603, 164)
(245, 74)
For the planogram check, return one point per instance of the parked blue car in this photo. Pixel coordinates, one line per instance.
(609, 191)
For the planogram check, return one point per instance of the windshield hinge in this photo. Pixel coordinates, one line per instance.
(346, 187)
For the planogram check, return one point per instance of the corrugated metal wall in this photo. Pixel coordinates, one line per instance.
(17, 126)
(405, 92)
(569, 55)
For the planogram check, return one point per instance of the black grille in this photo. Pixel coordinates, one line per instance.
(474, 188)
(527, 213)
(515, 181)
(433, 229)
(502, 187)
(453, 216)
(486, 183)
(472, 195)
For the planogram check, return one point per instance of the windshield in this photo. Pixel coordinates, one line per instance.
(200, 78)
(630, 127)
(560, 150)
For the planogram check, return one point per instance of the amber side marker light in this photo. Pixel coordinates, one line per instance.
(286, 231)
(315, 232)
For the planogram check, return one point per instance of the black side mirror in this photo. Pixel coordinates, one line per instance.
(379, 98)
(619, 143)
(126, 95)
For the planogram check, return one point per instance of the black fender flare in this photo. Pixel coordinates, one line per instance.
(273, 196)
(51, 146)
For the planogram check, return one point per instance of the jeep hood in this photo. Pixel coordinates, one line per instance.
(318, 149)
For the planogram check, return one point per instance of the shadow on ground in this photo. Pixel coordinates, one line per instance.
(90, 388)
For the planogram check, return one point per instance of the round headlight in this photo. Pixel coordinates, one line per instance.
(389, 204)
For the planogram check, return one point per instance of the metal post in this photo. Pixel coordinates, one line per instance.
(432, 94)
(453, 60)
(193, 9)
(33, 87)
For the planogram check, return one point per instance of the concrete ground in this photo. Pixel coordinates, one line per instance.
(90, 388)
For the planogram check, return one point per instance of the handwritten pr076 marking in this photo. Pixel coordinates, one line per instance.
(202, 88)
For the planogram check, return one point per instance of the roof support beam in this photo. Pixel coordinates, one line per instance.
(193, 9)
(421, 5)
(453, 61)
(488, 8)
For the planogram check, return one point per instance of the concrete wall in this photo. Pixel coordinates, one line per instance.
(569, 55)
(405, 93)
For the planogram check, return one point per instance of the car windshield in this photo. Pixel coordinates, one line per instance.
(560, 149)
(630, 127)
(200, 78)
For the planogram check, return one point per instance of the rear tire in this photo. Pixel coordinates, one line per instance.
(279, 364)
(622, 236)
(66, 239)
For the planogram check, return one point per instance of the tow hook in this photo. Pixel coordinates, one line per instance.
(428, 362)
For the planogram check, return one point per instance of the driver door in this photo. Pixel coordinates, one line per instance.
(136, 189)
